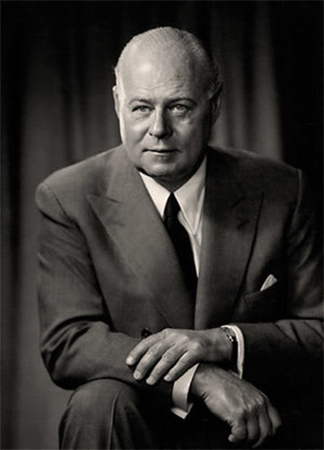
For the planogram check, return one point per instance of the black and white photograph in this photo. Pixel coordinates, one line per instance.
(161, 217)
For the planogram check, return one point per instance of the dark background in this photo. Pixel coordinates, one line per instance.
(57, 61)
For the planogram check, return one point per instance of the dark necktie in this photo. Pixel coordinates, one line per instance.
(181, 242)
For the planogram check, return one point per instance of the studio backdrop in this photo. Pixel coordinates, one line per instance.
(57, 74)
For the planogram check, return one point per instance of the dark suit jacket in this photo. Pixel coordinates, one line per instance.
(108, 269)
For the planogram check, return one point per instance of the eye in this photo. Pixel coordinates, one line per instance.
(179, 109)
(142, 109)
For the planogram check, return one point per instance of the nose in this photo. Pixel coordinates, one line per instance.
(160, 126)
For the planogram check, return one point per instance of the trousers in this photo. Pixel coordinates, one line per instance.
(108, 414)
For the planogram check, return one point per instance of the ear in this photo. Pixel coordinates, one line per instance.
(216, 103)
(116, 100)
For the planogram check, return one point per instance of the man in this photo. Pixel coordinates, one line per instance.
(177, 280)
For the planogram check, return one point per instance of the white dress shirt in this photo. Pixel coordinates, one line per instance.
(190, 197)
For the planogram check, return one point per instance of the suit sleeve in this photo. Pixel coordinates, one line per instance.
(288, 352)
(78, 343)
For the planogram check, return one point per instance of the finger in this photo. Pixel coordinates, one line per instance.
(150, 358)
(253, 428)
(141, 348)
(238, 432)
(275, 419)
(265, 426)
(167, 361)
(269, 423)
(186, 361)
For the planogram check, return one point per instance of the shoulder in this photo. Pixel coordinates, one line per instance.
(249, 161)
(255, 171)
(285, 191)
(69, 186)
(84, 176)
(85, 173)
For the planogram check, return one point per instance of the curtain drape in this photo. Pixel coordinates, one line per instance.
(57, 66)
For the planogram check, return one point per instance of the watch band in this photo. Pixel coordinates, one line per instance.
(231, 336)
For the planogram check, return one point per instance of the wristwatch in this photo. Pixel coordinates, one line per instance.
(231, 336)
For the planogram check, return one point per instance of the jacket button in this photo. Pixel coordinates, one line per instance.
(145, 332)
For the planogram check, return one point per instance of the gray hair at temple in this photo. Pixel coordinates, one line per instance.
(186, 45)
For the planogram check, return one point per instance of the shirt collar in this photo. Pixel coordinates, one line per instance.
(190, 196)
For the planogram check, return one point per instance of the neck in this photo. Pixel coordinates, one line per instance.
(174, 183)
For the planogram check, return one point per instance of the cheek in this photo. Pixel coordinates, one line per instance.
(202, 129)
(132, 130)
(192, 131)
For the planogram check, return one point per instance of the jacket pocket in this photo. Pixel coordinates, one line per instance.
(267, 305)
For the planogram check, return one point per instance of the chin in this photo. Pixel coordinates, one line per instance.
(161, 170)
(170, 180)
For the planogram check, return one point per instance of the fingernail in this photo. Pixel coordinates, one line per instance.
(137, 375)
(130, 360)
(167, 378)
(150, 380)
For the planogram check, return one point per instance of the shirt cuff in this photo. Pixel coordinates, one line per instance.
(181, 407)
(240, 349)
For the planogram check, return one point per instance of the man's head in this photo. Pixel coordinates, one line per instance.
(167, 97)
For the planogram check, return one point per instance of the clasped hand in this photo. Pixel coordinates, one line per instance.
(171, 352)
(248, 412)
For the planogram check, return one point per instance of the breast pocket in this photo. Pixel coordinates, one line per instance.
(266, 305)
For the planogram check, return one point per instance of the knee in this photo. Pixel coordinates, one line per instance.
(108, 414)
(101, 398)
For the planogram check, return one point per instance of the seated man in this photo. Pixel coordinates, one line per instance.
(179, 284)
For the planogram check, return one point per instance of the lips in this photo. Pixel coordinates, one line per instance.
(160, 150)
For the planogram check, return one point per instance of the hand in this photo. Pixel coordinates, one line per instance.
(243, 407)
(171, 352)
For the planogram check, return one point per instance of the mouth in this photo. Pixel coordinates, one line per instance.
(161, 151)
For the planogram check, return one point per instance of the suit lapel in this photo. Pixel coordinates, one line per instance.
(230, 218)
(130, 218)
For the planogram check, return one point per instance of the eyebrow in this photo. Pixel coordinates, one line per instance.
(175, 100)
(141, 100)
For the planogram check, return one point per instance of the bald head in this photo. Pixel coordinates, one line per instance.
(178, 47)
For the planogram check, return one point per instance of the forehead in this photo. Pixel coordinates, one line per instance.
(161, 74)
